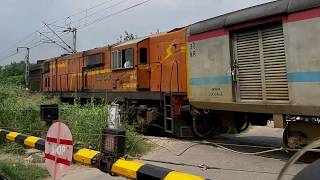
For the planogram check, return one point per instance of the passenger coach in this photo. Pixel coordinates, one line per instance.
(258, 64)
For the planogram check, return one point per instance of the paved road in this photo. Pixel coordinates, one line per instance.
(233, 166)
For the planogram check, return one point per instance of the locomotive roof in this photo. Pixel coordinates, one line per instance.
(131, 41)
(252, 13)
(134, 41)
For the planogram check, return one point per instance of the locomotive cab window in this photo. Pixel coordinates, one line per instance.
(143, 55)
(122, 59)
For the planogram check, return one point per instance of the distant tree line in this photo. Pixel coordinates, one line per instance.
(13, 73)
(127, 37)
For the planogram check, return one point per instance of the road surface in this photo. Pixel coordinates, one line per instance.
(232, 165)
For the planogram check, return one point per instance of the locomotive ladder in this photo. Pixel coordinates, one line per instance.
(168, 115)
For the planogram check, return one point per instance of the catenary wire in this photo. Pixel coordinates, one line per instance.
(100, 10)
(13, 46)
(80, 12)
(88, 24)
(113, 14)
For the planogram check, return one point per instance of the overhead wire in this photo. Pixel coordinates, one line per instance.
(113, 14)
(80, 12)
(23, 39)
(100, 10)
(86, 25)
(13, 46)
(8, 56)
(29, 43)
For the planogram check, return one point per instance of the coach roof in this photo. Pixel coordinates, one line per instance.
(253, 13)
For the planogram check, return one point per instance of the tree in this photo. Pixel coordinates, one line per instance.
(13, 73)
(127, 37)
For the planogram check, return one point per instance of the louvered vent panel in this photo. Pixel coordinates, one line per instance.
(249, 67)
(274, 59)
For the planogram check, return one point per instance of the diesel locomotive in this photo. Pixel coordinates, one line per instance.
(250, 66)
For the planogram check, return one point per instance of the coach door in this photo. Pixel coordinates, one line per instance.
(260, 65)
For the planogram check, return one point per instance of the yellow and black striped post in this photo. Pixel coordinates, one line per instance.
(121, 167)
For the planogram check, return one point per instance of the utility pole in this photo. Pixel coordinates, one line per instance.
(26, 74)
(74, 33)
(58, 36)
(52, 41)
(74, 37)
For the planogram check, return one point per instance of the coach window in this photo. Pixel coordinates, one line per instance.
(48, 81)
(143, 55)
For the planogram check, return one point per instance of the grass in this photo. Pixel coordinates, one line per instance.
(86, 124)
(21, 171)
(19, 111)
(135, 143)
(13, 148)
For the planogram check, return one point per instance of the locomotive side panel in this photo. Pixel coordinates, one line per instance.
(53, 75)
(143, 65)
(62, 74)
(302, 45)
(74, 71)
(209, 68)
(168, 61)
(97, 76)
(48, 75)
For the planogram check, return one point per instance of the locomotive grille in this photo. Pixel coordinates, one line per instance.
(261, 65)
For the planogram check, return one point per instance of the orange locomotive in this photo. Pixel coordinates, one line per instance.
(147, 76)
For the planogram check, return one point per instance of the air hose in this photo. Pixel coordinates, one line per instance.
(194, 127)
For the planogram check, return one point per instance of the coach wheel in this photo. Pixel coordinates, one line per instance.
(297, 135)
(207, 124)
(3, 178)
(242, 124)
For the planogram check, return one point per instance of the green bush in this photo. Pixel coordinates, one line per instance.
(86, 123)
(13, 73)
(19, 111)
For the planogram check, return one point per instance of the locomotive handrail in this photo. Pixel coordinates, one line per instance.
(116, 166)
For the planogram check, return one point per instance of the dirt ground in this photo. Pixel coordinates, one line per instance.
(229, 165)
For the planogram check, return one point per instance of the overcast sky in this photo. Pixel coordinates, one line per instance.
(19, 19)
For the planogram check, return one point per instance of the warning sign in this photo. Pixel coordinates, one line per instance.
(58, 150)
